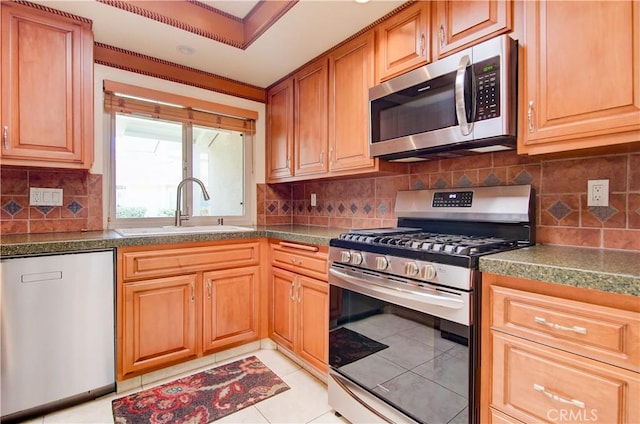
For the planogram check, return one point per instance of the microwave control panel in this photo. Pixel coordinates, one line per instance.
(487, 88)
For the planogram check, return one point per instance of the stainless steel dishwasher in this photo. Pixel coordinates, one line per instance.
(57, 331)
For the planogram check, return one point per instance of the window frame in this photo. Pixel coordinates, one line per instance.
(200, 107)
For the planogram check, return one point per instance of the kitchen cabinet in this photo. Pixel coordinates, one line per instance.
(300, 302)
(280, 131)
(403, 41)
(350, 77)
(580, 88)
(551, 349)
(47, 85)
(310, 131)
(181, 302)
(460, 24)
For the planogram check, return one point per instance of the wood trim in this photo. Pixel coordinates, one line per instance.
(54, 11)
(261, 17)
(209, 22)
(147, 93)
(158, 68)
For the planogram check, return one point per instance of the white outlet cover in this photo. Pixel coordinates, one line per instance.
(598, 193)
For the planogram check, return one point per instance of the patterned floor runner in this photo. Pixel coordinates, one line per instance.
(201, 398)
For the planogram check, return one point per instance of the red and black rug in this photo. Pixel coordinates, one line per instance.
(203, 397)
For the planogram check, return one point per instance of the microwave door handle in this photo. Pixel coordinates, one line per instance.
(461, 109)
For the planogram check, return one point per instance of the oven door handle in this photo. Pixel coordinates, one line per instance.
(371, 288)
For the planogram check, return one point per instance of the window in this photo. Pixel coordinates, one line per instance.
(155, 145)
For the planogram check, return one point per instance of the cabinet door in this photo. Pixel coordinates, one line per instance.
(582, 75)
(351, 75)
(280, 131)
(230, 307)
(403, 41)
(159, 323)
(313, 311)
(282, 304)
(460, 24)
(310, 119)
(47, 86)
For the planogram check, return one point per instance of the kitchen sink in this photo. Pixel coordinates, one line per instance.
(155, 231)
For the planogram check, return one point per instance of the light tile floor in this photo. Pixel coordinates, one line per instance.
(305, 402)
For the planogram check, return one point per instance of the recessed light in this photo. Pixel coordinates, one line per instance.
(362, 1)
(185, 49)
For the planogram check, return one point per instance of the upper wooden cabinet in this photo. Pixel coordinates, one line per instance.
(47, 89)
(403, 41)
(350, 77)
(280, 131)
(310, 119)
(582, 75)
(459, 24)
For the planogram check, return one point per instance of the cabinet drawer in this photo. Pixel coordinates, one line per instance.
(302, 259)
(598, 332)
(169, 261)
(536, 383)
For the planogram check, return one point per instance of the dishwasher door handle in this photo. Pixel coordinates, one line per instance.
(41, 276)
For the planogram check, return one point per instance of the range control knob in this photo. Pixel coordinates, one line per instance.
(429, 272)
(356, 258)
(411, 269)
(381, 263)
(345, 256)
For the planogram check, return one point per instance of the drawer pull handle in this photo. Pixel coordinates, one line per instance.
(291, 291)
(543, 390)
(575, 328)
(299, 246)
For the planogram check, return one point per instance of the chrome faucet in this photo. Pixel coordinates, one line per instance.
(179, 216)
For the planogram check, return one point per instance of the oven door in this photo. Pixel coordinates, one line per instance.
(392, 353)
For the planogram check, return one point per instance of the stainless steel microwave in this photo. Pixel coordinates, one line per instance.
(462, 104)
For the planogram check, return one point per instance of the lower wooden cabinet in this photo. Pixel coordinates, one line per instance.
(230, 307)
(186, 311)
(553, 353)
(159, 322)
(299, 319)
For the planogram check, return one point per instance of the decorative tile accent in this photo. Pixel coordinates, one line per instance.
(285, 207)
(12, 207)
(45, 209)
(272, 207)
(491, 180)
(440, 183)
(341, 208)
(464, 181)
(603, 213)
(367, 208)
(309, 207)
(319, 207)
(382, 208)
(330, 208)
(353, 208)
(75, 207)
(300, 207)
(523, 178)
(418, 185)
(559, 210)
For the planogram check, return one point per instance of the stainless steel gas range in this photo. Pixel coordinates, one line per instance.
(403, 330)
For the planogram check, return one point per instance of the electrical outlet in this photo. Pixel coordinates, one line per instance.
(598, 193)
(45, 196)
(313, 199)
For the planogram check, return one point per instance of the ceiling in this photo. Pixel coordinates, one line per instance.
(305, 31)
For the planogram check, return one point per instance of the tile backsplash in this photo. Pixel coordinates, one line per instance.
(81, 208)
(562, 215)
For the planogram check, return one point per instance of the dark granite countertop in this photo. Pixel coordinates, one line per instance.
(30, 244)
(614, 271)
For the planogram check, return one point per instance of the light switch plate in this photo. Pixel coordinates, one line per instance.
(45, 196)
